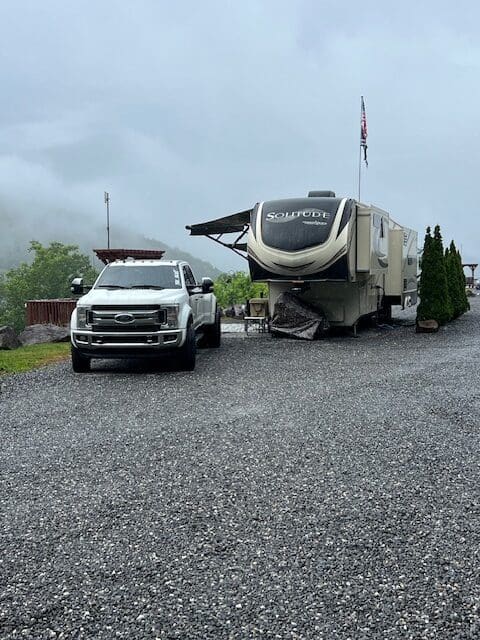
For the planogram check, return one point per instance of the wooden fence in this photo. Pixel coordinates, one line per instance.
(50, 311)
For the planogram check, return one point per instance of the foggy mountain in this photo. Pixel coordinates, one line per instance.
(16, 232)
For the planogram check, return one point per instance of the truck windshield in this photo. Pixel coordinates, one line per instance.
(139, 277)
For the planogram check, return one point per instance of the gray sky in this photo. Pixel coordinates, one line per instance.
(188, 111)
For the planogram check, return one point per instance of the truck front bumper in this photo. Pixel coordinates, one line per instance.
(118, 345)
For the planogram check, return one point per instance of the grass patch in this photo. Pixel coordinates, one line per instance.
(33, 356)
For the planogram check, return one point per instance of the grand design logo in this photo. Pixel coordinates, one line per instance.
(307, 216)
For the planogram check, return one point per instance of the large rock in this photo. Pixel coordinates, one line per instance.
(9, 339)
(39, 333)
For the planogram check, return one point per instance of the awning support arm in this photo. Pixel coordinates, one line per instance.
(230, 245)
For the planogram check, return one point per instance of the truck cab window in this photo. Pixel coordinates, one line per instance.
(189, 277)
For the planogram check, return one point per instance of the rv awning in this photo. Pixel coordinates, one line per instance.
(234, 223)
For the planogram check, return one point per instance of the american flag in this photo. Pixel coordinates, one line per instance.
(363, 132)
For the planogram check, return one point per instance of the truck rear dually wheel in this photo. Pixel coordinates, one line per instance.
(189, 351)
(212, 332)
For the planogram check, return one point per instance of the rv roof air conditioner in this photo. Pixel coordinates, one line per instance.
(321, 194)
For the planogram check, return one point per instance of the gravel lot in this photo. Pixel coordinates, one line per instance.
(282, 490)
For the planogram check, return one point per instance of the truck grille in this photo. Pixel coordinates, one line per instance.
(127, 318)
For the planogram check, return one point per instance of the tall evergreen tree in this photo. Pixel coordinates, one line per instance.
(451, 266)
(434, 298)
(464, 304)
(456, 281)
(442, 274)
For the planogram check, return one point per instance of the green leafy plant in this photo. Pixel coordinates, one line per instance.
(237, 288)
(48, 276)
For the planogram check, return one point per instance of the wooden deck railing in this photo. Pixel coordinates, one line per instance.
(50, 311)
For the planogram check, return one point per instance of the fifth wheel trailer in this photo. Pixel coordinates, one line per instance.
(343, 257)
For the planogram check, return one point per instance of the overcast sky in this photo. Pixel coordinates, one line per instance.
(188, 111)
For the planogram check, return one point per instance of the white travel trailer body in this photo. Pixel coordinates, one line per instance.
(343, 257)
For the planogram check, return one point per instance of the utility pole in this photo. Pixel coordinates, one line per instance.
(107, 202)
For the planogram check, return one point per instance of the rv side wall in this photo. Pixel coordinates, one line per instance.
(394, 281)
(363, 240)
(410, 266)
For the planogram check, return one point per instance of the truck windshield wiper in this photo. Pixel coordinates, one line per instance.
(111, 286)
(146, 286)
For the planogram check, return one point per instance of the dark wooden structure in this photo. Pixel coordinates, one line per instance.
(50, 311)
(110, 255)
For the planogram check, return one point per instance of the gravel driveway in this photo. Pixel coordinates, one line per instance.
(282, 490)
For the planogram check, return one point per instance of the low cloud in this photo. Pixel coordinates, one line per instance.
(187, 112)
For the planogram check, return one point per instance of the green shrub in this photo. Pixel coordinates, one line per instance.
(435, 301)
(49, 276)
(237, 288)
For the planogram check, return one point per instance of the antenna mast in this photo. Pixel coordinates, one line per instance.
(106, 197)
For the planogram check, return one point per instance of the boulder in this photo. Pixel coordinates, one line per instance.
(40, 333)
(9, 339)
(427, 326)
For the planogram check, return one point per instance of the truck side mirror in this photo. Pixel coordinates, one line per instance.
(207, 285)
(77, 287)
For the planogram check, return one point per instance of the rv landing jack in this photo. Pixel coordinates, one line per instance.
(354, 330)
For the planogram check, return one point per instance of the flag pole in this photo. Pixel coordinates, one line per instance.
(363, 142)
(359, 170)
(360, 151)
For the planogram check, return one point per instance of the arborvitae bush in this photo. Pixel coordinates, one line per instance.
(434, 296)
(453, 280)
(456, 281)
(462, 283)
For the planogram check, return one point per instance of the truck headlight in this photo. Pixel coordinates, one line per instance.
(83, 318)
(172, 315)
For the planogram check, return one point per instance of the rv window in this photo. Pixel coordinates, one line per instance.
(298, 223)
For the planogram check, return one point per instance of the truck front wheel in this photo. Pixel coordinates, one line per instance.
(189, 351)
(80, 363)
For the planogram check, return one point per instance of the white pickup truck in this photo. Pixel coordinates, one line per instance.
(142, 308)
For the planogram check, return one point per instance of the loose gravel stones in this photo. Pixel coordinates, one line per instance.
(281, 490)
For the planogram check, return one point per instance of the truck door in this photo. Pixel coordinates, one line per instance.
(195, 294)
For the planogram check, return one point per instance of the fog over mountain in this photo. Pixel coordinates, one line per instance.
(188, 111)
(19, 230)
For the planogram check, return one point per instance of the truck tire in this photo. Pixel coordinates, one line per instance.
(213, 333)
(189, 351)
(80, 363)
